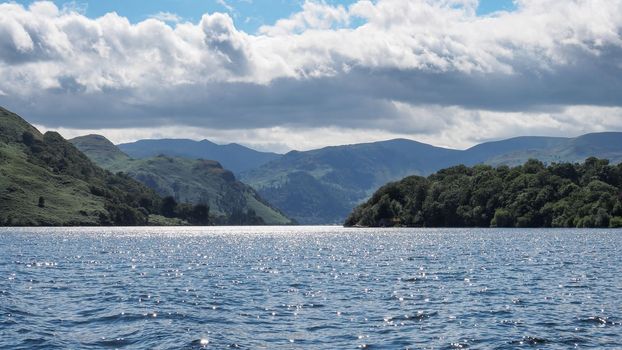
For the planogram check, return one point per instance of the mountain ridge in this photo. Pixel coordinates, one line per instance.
(350, 173)
(322, 185)
(195, 181)
(232, 156)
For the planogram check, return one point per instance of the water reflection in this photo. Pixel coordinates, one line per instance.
(309, 287)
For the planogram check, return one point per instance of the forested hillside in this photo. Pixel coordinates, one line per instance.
(322, 186)
(531, 195)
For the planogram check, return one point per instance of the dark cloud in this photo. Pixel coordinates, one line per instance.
(360, 98)
(66, 70)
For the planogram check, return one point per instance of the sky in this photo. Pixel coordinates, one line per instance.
(248, 15)
(280, 75)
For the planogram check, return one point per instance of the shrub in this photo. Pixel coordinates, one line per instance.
(502, 218)
(169, 204)
(616, 222)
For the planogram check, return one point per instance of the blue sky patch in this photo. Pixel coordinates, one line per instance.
(489, 6)
(248, 15)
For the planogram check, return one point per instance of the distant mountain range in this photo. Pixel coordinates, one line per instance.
(312, 187)
(187, 180)
(233, 157)
(322, 186)
(606, 145)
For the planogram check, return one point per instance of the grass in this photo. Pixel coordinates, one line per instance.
(68, 201)
(74, 190)
(159, 220)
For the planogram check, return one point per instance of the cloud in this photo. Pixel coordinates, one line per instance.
(314, 15)
(226, 5)
(168, 17)
(74, 6)
(451, 127)
(418, 67)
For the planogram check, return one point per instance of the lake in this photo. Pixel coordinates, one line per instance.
(309, 288)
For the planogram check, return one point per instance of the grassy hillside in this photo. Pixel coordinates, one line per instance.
(524, 145)
(99, 149)
(45, 180)
(234, 157)
(322, 186)
(531, 195)
(188, 181)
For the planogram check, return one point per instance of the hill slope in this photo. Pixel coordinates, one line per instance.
(44, 180)
(606, 145)
(190, 181)
(234, 157)
(531, 195)
(321, 186)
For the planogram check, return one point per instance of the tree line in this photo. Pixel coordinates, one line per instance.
(531, 195)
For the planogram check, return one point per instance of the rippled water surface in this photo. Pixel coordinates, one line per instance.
(309, 287)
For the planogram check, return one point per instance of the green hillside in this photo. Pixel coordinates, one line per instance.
(234, 157)
(187, 181)
(45, 180)
(322, 186)
(606, 145)
(99, 149)
(531, 195)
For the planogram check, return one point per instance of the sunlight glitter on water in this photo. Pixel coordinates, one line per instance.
(309, 287)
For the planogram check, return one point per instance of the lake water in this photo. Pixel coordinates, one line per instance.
(309, 288)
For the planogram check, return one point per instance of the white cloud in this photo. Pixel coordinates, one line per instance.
(74, 6)
(416, 65)
(449, 127)
(167, 17)
(314, 15)
(226, 5)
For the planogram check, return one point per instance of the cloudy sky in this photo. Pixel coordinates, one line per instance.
(288, 74)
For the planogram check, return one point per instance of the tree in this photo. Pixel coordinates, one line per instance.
(169, 204)
(615, 222)
(502, 218)
(532, 195)
(28, 138)
(200, 214)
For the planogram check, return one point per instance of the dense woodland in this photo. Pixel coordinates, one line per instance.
(531, 195)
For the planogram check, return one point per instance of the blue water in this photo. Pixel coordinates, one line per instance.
(309, 288)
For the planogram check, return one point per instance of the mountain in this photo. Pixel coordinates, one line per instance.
(322, 186)
(523, 146)
(234, 157)
(187, 180)
(531, 195)
(607, 145)
(45, 180)
(100, 150)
